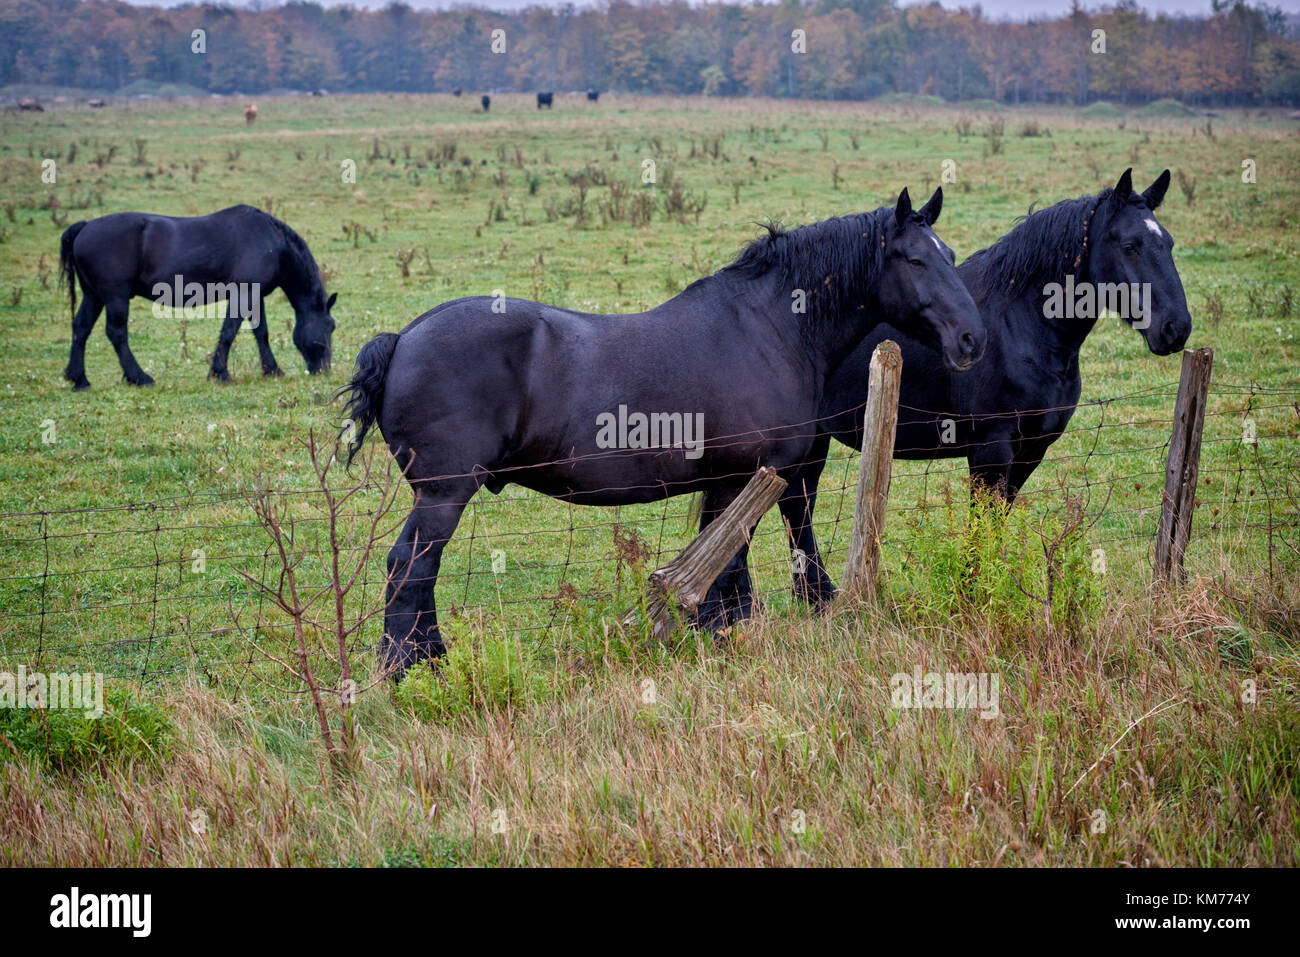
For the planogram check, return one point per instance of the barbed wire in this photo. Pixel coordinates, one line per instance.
(136, 613)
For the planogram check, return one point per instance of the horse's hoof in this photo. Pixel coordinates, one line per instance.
(818, 596)
(222, 377)
(277, 372)
(80, 386)
(142, 382)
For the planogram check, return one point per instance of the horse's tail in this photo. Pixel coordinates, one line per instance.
(365, 392)
(66, 264)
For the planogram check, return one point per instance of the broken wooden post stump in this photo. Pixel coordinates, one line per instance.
(677, 588)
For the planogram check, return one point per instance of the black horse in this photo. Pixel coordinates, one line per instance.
(545, 100)
(482, 392)
(240, 254)
(486, 101)
(1003, 416)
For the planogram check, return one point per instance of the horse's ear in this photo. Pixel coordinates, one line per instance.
(1124, 188)
(1155, 193)
(930, 211)
(904, 207)
(329, 303)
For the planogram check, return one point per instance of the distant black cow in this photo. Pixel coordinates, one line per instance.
(593, 95)
(486, 101)
(32, 106)
(456, 91)
(544, 100)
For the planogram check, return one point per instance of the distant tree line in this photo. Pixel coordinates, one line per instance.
(848, 49)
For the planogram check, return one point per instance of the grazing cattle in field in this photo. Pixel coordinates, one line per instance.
(30, 105)
(96, 104)
(250, 113)
(593, 96)
(240, 255)
(486, 101)
(456, 91)
(469, 395)
(545, 100)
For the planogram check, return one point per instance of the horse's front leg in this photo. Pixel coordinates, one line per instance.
(730, 598)
(263, 337)
(229, 329)
(812, 584)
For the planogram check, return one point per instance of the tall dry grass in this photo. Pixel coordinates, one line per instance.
(1128, 746)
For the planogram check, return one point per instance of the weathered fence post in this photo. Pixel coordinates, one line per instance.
(875, 470)
(685, 580)
(1182, 465)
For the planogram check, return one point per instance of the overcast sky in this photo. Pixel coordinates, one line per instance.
(995, 9)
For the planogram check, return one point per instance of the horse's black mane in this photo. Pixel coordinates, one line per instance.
(835, 261)
(302, 257)
(1047, 242)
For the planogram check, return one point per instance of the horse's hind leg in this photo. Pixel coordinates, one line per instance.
(84, 321)
(411, 619)
(117, 334)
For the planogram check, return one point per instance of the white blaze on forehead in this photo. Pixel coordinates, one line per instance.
(937, 245)
(1153, 226)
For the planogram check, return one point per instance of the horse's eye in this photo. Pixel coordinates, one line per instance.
(917, 263)
(1130, 247)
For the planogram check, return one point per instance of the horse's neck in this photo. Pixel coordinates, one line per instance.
(298, 281)
(1058, 341)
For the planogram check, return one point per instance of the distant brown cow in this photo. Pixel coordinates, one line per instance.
(30, 105)
(250, 113)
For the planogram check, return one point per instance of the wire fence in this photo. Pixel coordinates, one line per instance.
(157, 590)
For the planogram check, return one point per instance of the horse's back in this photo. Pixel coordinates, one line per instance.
(137, 250)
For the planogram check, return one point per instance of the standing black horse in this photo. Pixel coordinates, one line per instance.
(482, 392)
(1003, 416)
(240, 254)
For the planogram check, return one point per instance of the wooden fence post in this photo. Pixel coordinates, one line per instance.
(685, 580)
(874, 471)
(1182, 465)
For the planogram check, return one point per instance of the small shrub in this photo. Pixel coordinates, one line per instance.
(477, 675)
(65, 741)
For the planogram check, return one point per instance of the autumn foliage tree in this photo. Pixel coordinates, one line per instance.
(1238, 53)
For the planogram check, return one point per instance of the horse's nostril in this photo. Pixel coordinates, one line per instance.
(968, 342)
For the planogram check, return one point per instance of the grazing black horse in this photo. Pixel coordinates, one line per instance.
(593, 96)
(545, 100)
(1003, 416)
(485, 392)
(240, 254)
(486, 101)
